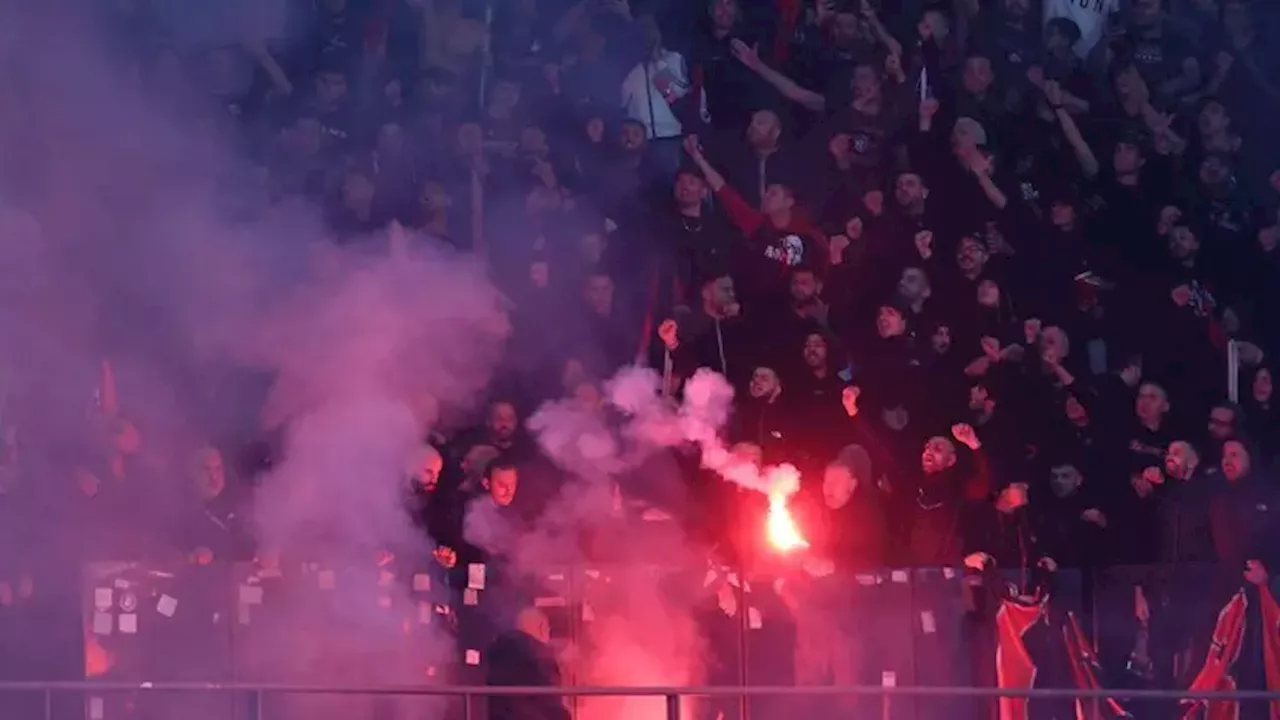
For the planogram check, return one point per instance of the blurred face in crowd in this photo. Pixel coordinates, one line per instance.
(804, 287)
(978, 397)
(1152, 403)
(357, 191)
(941, 339)
(390, 140)
(1127, 159)
(506, 95)
(303, 138)
(1213, 119)
(764, 130)
(1183, 244)
(1236, 462)
(595, 130)
(426, 472)
(939, 454)
(838, 484)
(1065, 480)
(724, 13)
(1057, 42)
(1062, 214)
(592, 246)
(937, 23)
(632, 138)
(393, 93)
(470, 138)
(764, 383)
(846, 31)
(719, 296)
(815, 351)
(977, 75)
(909, 190)
(435, 198)
(503, 421)
(866, 83)
(477, 460)
(1236, 17)
(889, 322)
(1180, 460)
(971, 256)
(690, 189)
(1017, 8)
(1222, 423)
(989, 294)
(1054, 344)
(533, 142)
(1214, 171)
(1262, 386)
(1076, 412)
(776, 199)
(211, 476)
(599, 294)
(1147, 13)
(331, 88)
(914, 285)
(502, 485)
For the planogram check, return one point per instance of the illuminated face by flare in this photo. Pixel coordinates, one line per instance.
(425, 470)
(939, 455)
(764, 383)
(502, 485)
(838, 484)
(1236, 462)
(1179, 460)
(210, 475)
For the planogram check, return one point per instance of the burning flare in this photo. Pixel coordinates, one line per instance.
(783, 532)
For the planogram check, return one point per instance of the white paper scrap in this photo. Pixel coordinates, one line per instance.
(754, 621)
(102, 598)
(97, 709)
(475, 576)
(899, 576)
(889, 678)
(103, 623)
(472, 657)
(928, 623)
(251, 594)
(588, 615)
(167, 605)
(424, 613)
(470, 597)
(128, 623)
(421, 582)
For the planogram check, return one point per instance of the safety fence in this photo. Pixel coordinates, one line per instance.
(914, 634)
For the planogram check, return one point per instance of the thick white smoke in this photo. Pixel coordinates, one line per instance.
(124, 237)
(643, 629)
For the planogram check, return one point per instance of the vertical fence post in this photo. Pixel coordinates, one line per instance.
(673, 707)
(257, 704)
(466, 706)
(48, 704)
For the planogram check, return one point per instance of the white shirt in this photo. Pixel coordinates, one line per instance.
(644, 102)
(1089, 15)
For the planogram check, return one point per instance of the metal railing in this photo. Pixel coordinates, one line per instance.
(672, 695)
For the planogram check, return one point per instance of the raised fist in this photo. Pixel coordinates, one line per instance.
(669, 333)
(964, 434)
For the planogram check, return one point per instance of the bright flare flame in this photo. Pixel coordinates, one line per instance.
(784, 534)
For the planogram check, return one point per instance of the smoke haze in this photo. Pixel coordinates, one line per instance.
(126, 237)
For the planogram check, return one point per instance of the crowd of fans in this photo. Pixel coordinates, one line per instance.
(974, 267)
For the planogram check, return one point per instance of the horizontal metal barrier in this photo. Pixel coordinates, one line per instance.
(691, 691)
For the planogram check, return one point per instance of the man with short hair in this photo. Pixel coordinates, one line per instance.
(777, 237)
